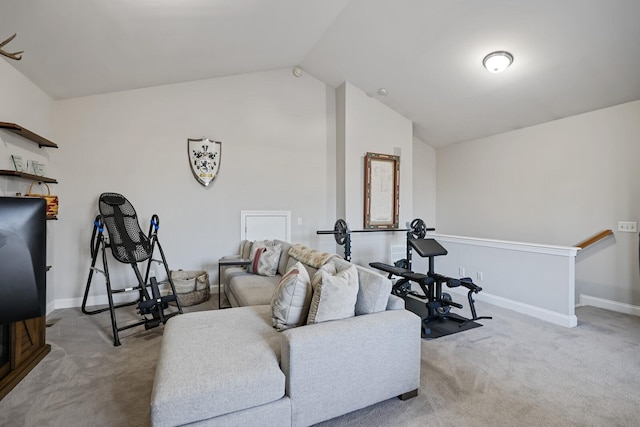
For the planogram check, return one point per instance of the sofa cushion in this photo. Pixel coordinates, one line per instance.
(373, 291)
(251, 289)
(291, 299)
(334, 295)
(265, 257)
(230, 272)
(216, 362)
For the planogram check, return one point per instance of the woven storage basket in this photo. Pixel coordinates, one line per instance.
(192, 287)
(51, 199)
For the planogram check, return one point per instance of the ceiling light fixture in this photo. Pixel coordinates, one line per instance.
(297, 71)
(383, 92)
(497, 62)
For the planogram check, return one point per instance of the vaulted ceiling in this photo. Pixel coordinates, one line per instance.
(571, 56)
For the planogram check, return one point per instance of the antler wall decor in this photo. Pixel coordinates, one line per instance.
(15, 55)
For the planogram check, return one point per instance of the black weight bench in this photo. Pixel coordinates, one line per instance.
(433, 306)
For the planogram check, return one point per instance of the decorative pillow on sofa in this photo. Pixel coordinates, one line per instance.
(374, 290)
(334, 294)
(291, 299)
(245, 249)
(265, 256)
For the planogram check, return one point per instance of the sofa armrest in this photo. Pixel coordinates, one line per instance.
(339, 366)
(395, 303)
(223, 268)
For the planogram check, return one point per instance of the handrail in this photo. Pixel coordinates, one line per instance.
(595, 238)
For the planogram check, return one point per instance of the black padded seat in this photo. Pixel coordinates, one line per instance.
(427, 247)
(402, 272)
(419, 277)
(128, 243)
(396, 271)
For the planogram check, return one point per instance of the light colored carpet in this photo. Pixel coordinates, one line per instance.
(513, 371)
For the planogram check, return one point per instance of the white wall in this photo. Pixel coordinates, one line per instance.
(424, 182)
(367, 125)
(276, 148)
(556, 183)
(25, 104)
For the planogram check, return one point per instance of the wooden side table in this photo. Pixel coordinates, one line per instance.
(227, 263)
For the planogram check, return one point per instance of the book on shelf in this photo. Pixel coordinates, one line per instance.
(38, 168)
(34, 168)
(18, 163)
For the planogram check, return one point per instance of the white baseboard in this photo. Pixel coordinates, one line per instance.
(91, 301)
(102, 300)
(620, 307)
(568, 321)
(50, 307)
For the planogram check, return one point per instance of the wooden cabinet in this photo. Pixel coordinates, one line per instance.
(26, 348)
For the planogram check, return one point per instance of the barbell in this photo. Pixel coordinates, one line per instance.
(341, 230)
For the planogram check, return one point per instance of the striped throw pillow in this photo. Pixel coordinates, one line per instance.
(264, 259)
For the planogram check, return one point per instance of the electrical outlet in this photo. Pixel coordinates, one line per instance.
(461, 271)
(480, 275)
(628, 226)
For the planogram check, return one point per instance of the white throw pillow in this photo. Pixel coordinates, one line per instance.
(334, 295)
(291, 299)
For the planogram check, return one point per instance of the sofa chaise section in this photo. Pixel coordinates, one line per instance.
(222, 364)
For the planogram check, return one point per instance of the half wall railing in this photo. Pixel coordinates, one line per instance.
(594, 239)
(533, 279)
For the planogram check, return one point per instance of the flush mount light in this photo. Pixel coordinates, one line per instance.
(497, 62)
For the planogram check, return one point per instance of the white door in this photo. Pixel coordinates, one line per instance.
(265, 225)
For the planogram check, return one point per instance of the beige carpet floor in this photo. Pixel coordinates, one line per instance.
(513, 371)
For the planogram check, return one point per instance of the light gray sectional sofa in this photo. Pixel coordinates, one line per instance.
(232, 367)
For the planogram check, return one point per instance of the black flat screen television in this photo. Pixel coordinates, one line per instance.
(23, 258)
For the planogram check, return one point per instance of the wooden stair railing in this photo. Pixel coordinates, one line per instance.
(595, 238)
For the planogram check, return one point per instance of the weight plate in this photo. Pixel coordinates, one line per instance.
(444, 309)
(418, 229)
(341, 231)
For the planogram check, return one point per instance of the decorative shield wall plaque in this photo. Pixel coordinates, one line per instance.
(204, 158)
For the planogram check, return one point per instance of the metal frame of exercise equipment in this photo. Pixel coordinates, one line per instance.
(437, 304)
(153, 304)
(342, 233)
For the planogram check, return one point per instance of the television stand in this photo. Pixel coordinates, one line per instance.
(26, 348)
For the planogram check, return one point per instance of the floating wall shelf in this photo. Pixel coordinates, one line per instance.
(28, 176)
(26, 133)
